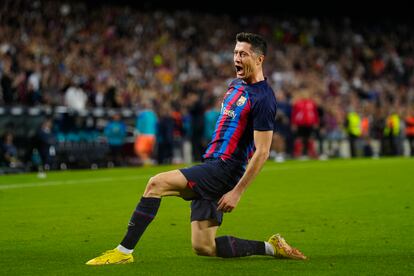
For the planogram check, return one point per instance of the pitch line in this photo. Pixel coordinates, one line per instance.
(70, 182)
(138, 177)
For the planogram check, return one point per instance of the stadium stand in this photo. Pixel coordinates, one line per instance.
(79, 62)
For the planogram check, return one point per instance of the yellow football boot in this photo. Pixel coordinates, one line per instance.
(284, 250)
(113, 256)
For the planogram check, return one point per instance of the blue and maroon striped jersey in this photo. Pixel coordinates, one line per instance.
(245, 107)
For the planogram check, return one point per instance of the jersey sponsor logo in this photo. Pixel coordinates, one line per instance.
(228, 112)
(241, 101)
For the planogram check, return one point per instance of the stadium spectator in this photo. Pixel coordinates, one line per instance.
(75, 96)
(6, 82)
(409, 128)
(353, 129)
(377, 132)
(45, 145)
(187, 130)
(178, 134)
(196, 109)
(366, 129)
(334, 131)
(122, 63)
(210, 119)
(9, 152)
(282, 136)
(165, 135)
(146, 130)
(282, 128)
(115, 132)
(392, 133)
(305, 119)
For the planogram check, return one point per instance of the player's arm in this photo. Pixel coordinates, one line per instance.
(262, 141)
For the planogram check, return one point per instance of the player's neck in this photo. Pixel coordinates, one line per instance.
(255, 78)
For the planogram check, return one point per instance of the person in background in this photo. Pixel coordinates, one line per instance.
(210, 119)
(165, 135)
(409, 128)
(9, 151)
(282, 134)
(305, 120)
(116, 131)
(45, 141)
(196, 110)
(278, 147)
(366, 131)
(392, 132)
(353, 129)
(146, 129)
(178, 134)
(377, 131)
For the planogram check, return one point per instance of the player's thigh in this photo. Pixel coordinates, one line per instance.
(203, 234)
(170, 183)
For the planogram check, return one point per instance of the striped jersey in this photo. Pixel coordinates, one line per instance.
(245, 107)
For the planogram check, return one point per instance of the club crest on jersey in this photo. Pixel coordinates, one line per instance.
(241, 101)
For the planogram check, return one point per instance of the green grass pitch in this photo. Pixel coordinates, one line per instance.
(351, 217)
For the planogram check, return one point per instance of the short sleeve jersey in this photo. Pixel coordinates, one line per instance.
(245, 108)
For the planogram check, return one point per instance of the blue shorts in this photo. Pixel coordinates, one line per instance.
(210, 181)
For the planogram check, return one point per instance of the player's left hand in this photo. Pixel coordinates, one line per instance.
(228, 201)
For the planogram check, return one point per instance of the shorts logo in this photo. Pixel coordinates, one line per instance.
(241, 101)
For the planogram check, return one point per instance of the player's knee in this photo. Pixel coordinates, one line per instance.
(204, 250)
(155, 186)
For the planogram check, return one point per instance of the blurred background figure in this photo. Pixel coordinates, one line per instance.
(75, 96)
(409, 128)
(45, 141)
(115, 132)
(354, 130)
(9, 153)
(334, 131)
(377, 131)
(196, 109)
(281, 147)
(210, 119)
(366, 130)
(305, 119)
(146, 130)
(50, 66)
(278, 147)
(392, 132)
(178, 134)
(165, 135)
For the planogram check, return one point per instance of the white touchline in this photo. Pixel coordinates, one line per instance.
(107, 179)
(69, 182)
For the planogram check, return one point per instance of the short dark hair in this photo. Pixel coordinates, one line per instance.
(258, 43)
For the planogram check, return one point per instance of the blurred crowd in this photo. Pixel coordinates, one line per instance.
(339, 82)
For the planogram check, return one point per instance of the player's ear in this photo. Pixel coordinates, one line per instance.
(260, 59)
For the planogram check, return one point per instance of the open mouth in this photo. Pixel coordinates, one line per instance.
(239, 69)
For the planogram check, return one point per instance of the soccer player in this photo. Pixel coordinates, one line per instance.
(239, 148)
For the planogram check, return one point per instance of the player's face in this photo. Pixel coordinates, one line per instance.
(246, 61)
